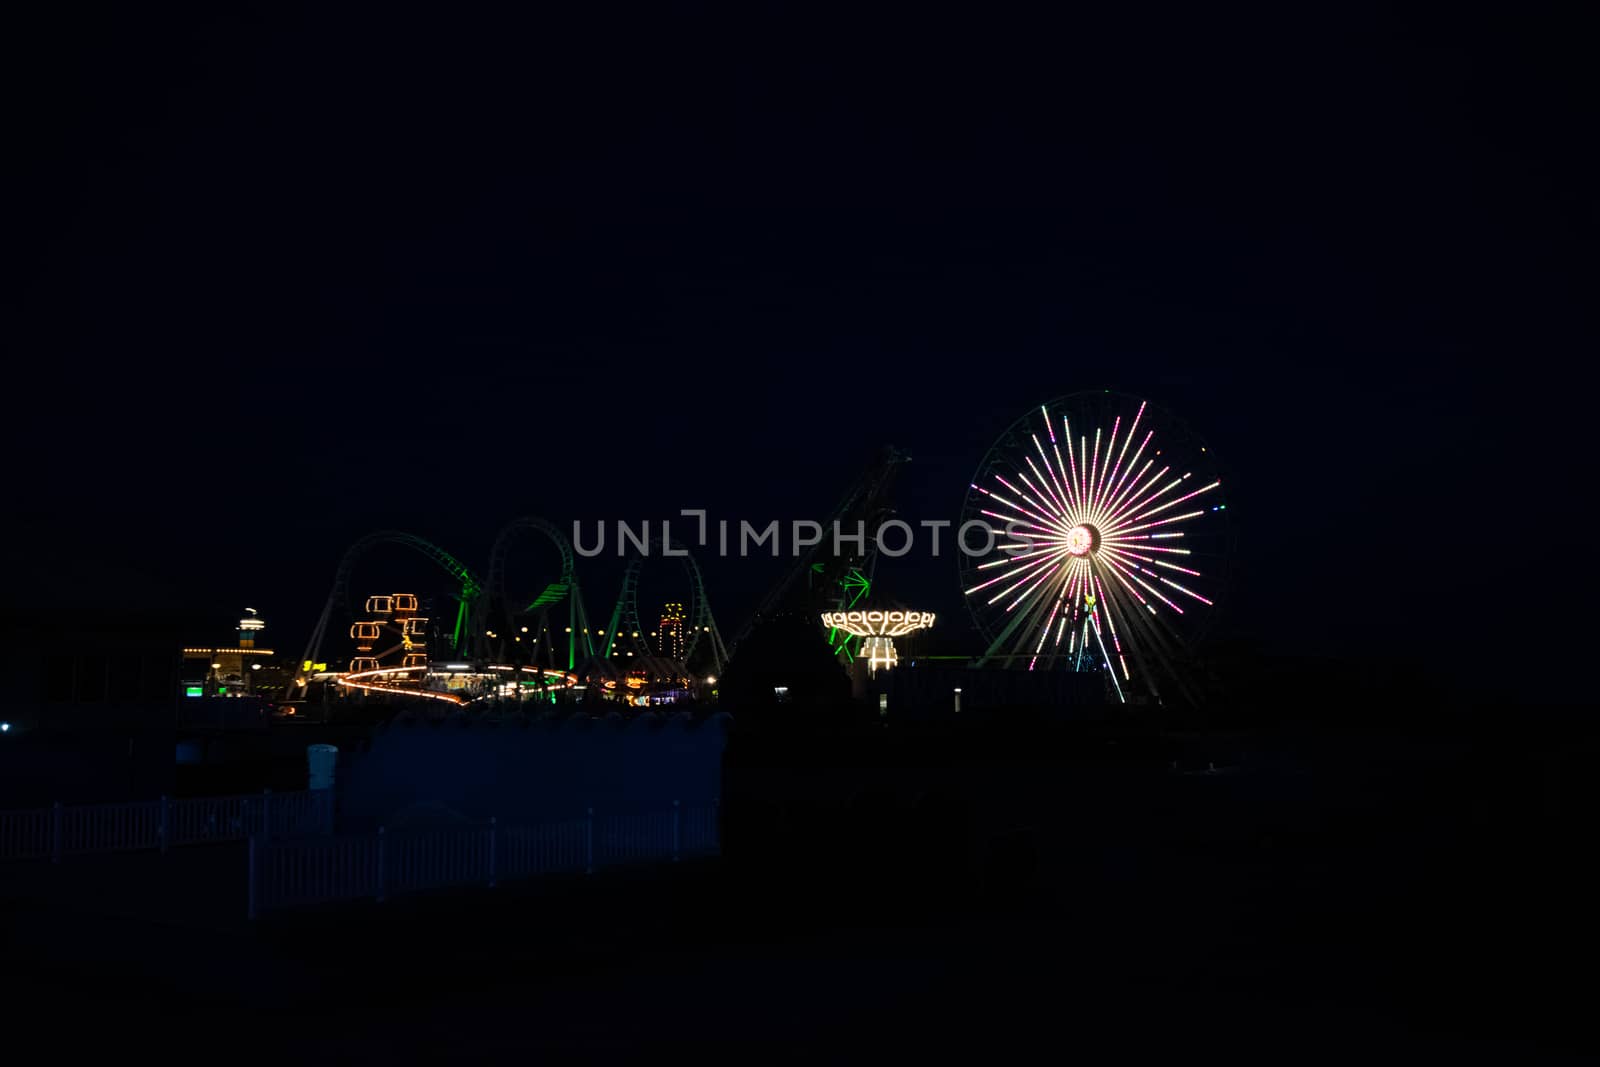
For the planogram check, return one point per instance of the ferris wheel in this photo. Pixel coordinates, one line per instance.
(1108, 543)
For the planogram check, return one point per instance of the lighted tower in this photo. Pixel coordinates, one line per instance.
(249, 626)
(672, 637)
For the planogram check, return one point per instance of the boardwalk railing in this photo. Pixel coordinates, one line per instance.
(75, 829)
(295, 873)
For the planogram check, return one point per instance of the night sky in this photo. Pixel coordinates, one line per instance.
(278, 279)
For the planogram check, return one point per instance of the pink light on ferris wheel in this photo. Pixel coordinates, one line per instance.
(1080, 539)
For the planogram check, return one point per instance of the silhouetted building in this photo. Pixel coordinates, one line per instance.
(90, 704)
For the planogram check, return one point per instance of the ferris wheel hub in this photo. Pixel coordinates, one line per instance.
(1082, 539)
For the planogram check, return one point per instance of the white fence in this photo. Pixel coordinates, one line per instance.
(287, 874)
(76, 829)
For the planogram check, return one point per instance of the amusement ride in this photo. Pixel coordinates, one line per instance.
(1106, 551)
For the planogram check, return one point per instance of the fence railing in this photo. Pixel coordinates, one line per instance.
(296, 873)
(77, 829)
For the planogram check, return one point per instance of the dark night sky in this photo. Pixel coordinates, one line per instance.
(277, 279)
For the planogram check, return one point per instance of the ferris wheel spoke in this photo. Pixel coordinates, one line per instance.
(1132, 573)
(1161, 522)
(1105, 462)
(1083, 469)
(1014, 529)
(1057, 507)
(1036, 619)
(1046, 522)
(1060, 493)
(1016, 567)
(1177, 501)
(1072, 468)
(1023, 575)
(1044, 631)
(1111, 623)
(1013, 636)
(1061, 467)
(1133, 428)
(1113, 609)
(1154, 562)
(1128, 485)
(1130, 513)
(1049, 504)
(1124, 508)
(1106, 659)
(1037, 581)
(1183, 589)
(1147, 639)
(1127, 540)
(1048, 549)
(1089, 478)
(1024, 479)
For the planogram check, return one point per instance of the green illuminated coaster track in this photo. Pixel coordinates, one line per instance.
(519, 627)
(626, 631)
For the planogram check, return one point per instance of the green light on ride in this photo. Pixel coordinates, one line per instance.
(194, 691)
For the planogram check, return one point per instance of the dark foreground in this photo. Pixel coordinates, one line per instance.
(1419, 901)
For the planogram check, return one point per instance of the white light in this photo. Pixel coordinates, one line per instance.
(255, 666)
(5, 728)
(878, 623)
(711, 679)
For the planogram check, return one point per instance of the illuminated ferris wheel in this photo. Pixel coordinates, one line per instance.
(1109, 544)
